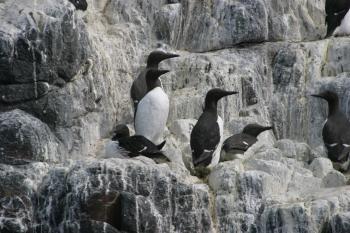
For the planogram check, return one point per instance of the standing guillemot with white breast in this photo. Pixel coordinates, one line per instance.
(337, 17)
(139, 87)
(131, 146)
(153, 109)
(206, 136)
(240, 143)
(336, 129)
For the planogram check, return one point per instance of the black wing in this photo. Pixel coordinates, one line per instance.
(139, 145)
(138, 89)
(335, 12)
(336, 136)
(205, 137)
(239, 142)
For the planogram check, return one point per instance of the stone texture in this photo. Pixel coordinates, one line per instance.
(138, 197)
(340, 223)
(24, 138)
(83, 64)
(222, 24)
(17, 187)
(15, 93)
(334, 179)
(321, 167)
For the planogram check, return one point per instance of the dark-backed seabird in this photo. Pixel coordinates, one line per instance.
(337, 17)
(336, 129)
(153, 109)
(139, 87)
(207, 134)
(239, 143)
(80, 4)
(133, 146)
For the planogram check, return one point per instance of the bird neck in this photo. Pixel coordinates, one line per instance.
(151, 84)
(333, 107)
(211, 106)
(152, 65)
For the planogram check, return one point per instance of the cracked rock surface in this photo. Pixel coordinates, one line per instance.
(65, 77)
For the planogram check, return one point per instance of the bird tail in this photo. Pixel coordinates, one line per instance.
(344, 156)
(203, 160)
(160, 146)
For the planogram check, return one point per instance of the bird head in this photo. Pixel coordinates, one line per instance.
(255, 129)
(214, 95)
(157, 56)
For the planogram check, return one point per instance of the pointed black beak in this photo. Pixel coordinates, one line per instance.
(231, 93)
(317, 96)
(268, 128)
(170, 55)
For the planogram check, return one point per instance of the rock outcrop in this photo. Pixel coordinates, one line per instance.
(65, 77)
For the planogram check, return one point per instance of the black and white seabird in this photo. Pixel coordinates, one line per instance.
(139, 87)
(239, 143)
(337, 17)
(133, 146)
(80, 4)
(206, 136)
(336, 129)
(153, 109)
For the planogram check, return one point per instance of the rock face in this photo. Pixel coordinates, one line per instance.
(24, 138)
(65, 77)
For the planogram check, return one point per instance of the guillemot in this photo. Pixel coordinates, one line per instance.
(153, 109)
(131, 146)
(207, 134)
(139, 87)
(239, 143)
(336, 130)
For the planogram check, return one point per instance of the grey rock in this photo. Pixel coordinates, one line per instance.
(340, 223)
(149, 198)
(223, 24)
(17, 187)
(321, 167)
(334, 179)
(15, 93)
(86, 226)
(89, 59)
(24, 138)
(291, 149)
(218, 25)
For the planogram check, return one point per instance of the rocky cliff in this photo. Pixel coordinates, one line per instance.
(64, 84)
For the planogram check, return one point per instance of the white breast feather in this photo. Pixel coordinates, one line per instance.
(344, 28)
(216, 154)
(152, 114)
(112, 150)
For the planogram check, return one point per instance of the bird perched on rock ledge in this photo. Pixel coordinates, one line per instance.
(336, 129)
(207, 134)
(153, 109)
(133, 146)
(239, 143)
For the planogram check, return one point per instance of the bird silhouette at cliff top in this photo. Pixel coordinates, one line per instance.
(240, 143)
(337, 17)
(336, 129)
